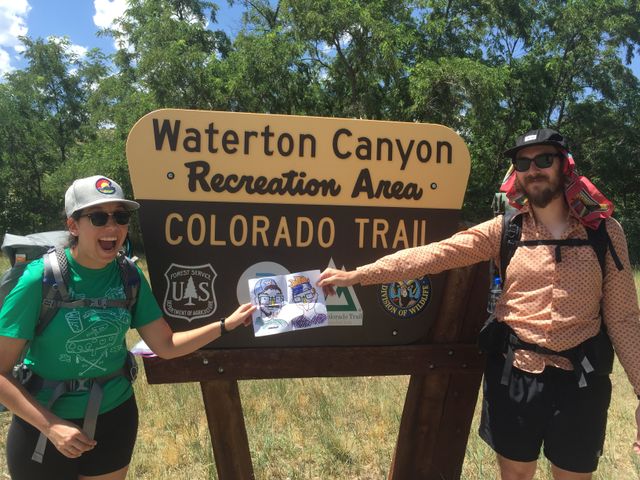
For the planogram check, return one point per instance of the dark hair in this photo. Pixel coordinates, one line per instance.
(73, 240)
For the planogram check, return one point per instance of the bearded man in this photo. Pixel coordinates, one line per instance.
(546, 383)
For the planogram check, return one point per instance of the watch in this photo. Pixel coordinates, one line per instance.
(223, 329)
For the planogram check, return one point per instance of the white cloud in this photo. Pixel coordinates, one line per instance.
(79, 50)
(12, 20)
(13, 15)
(107, 11)
(5, 63)
(193, 20)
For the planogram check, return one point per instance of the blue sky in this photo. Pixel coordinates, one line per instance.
(79, 20)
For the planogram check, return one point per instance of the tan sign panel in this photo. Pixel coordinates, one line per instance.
(249, 158)
(231, 196)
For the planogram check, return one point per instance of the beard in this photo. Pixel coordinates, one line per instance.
(542, 196)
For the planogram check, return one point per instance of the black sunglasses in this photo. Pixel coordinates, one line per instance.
(100, 219)
(544, 160)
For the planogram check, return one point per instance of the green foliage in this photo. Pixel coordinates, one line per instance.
(44, 117)
(264, 73)
(488, 69)
(171, 50)
(362, 50)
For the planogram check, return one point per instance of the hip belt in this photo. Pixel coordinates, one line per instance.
(91, 385)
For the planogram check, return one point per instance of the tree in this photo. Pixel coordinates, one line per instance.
(266, 69)
(363, 50)
(174, 55)
(190, 292)
(489, 69)
(43, 110)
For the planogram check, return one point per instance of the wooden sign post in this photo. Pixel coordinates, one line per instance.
(230, 196)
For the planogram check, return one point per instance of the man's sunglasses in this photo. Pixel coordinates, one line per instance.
(544, 160)
(100, 219)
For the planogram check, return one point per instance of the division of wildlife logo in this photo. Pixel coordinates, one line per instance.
(407, 298)
(103, 185)
(189, 294)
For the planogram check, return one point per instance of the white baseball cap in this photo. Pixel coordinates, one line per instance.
(95, 190)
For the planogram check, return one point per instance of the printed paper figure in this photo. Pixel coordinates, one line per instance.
(301, 308)
(305, 298)
(268, 296)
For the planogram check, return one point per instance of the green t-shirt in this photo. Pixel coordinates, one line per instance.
(79, 342)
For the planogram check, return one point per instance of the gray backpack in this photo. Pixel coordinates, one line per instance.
(22, 250)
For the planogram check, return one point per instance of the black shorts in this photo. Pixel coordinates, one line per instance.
(116, 432)
(545, 409)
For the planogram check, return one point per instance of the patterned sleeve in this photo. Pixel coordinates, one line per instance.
(474, 245)
(620, 306)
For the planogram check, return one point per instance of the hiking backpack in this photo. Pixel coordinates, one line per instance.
(22, 250)
(594, 354)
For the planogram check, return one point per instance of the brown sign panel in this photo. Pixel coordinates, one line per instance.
(231, 196)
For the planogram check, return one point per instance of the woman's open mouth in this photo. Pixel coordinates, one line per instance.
(108, 244)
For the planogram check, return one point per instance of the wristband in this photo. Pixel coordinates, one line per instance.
(223, 329)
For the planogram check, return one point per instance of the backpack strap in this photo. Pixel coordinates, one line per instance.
(130, 279)
(55, 293)
(54, 286)
(509, 240)
(600, 241)
(92, 385)
(576, 355)
(571, 242)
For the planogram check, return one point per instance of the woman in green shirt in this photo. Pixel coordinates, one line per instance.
(84, 343)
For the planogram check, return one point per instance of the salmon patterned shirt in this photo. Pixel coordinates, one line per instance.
(553, 304)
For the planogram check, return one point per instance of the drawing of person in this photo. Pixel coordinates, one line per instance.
(305, 297)
(270, 301)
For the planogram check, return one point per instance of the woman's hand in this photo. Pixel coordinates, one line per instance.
(69, 439)
(333, 277)
(242, 316)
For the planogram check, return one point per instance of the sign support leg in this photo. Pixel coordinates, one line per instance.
(435, 426)
(227, 429)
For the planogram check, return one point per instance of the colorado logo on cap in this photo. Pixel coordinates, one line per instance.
(103, 185)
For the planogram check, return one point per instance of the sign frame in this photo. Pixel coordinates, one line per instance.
(445, 371)
(185, 164)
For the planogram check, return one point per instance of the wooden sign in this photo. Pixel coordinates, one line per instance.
(231, 196)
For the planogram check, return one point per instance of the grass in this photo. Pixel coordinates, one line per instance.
(321, 429)
(326, 428)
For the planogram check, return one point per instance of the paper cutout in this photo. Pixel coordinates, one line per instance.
(287, 302)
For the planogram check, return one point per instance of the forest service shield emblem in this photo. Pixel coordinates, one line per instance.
(190, 294)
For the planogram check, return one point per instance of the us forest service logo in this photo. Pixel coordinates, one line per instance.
(407, 298)
(190, 293)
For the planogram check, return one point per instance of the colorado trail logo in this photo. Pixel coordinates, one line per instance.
(190, 293)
